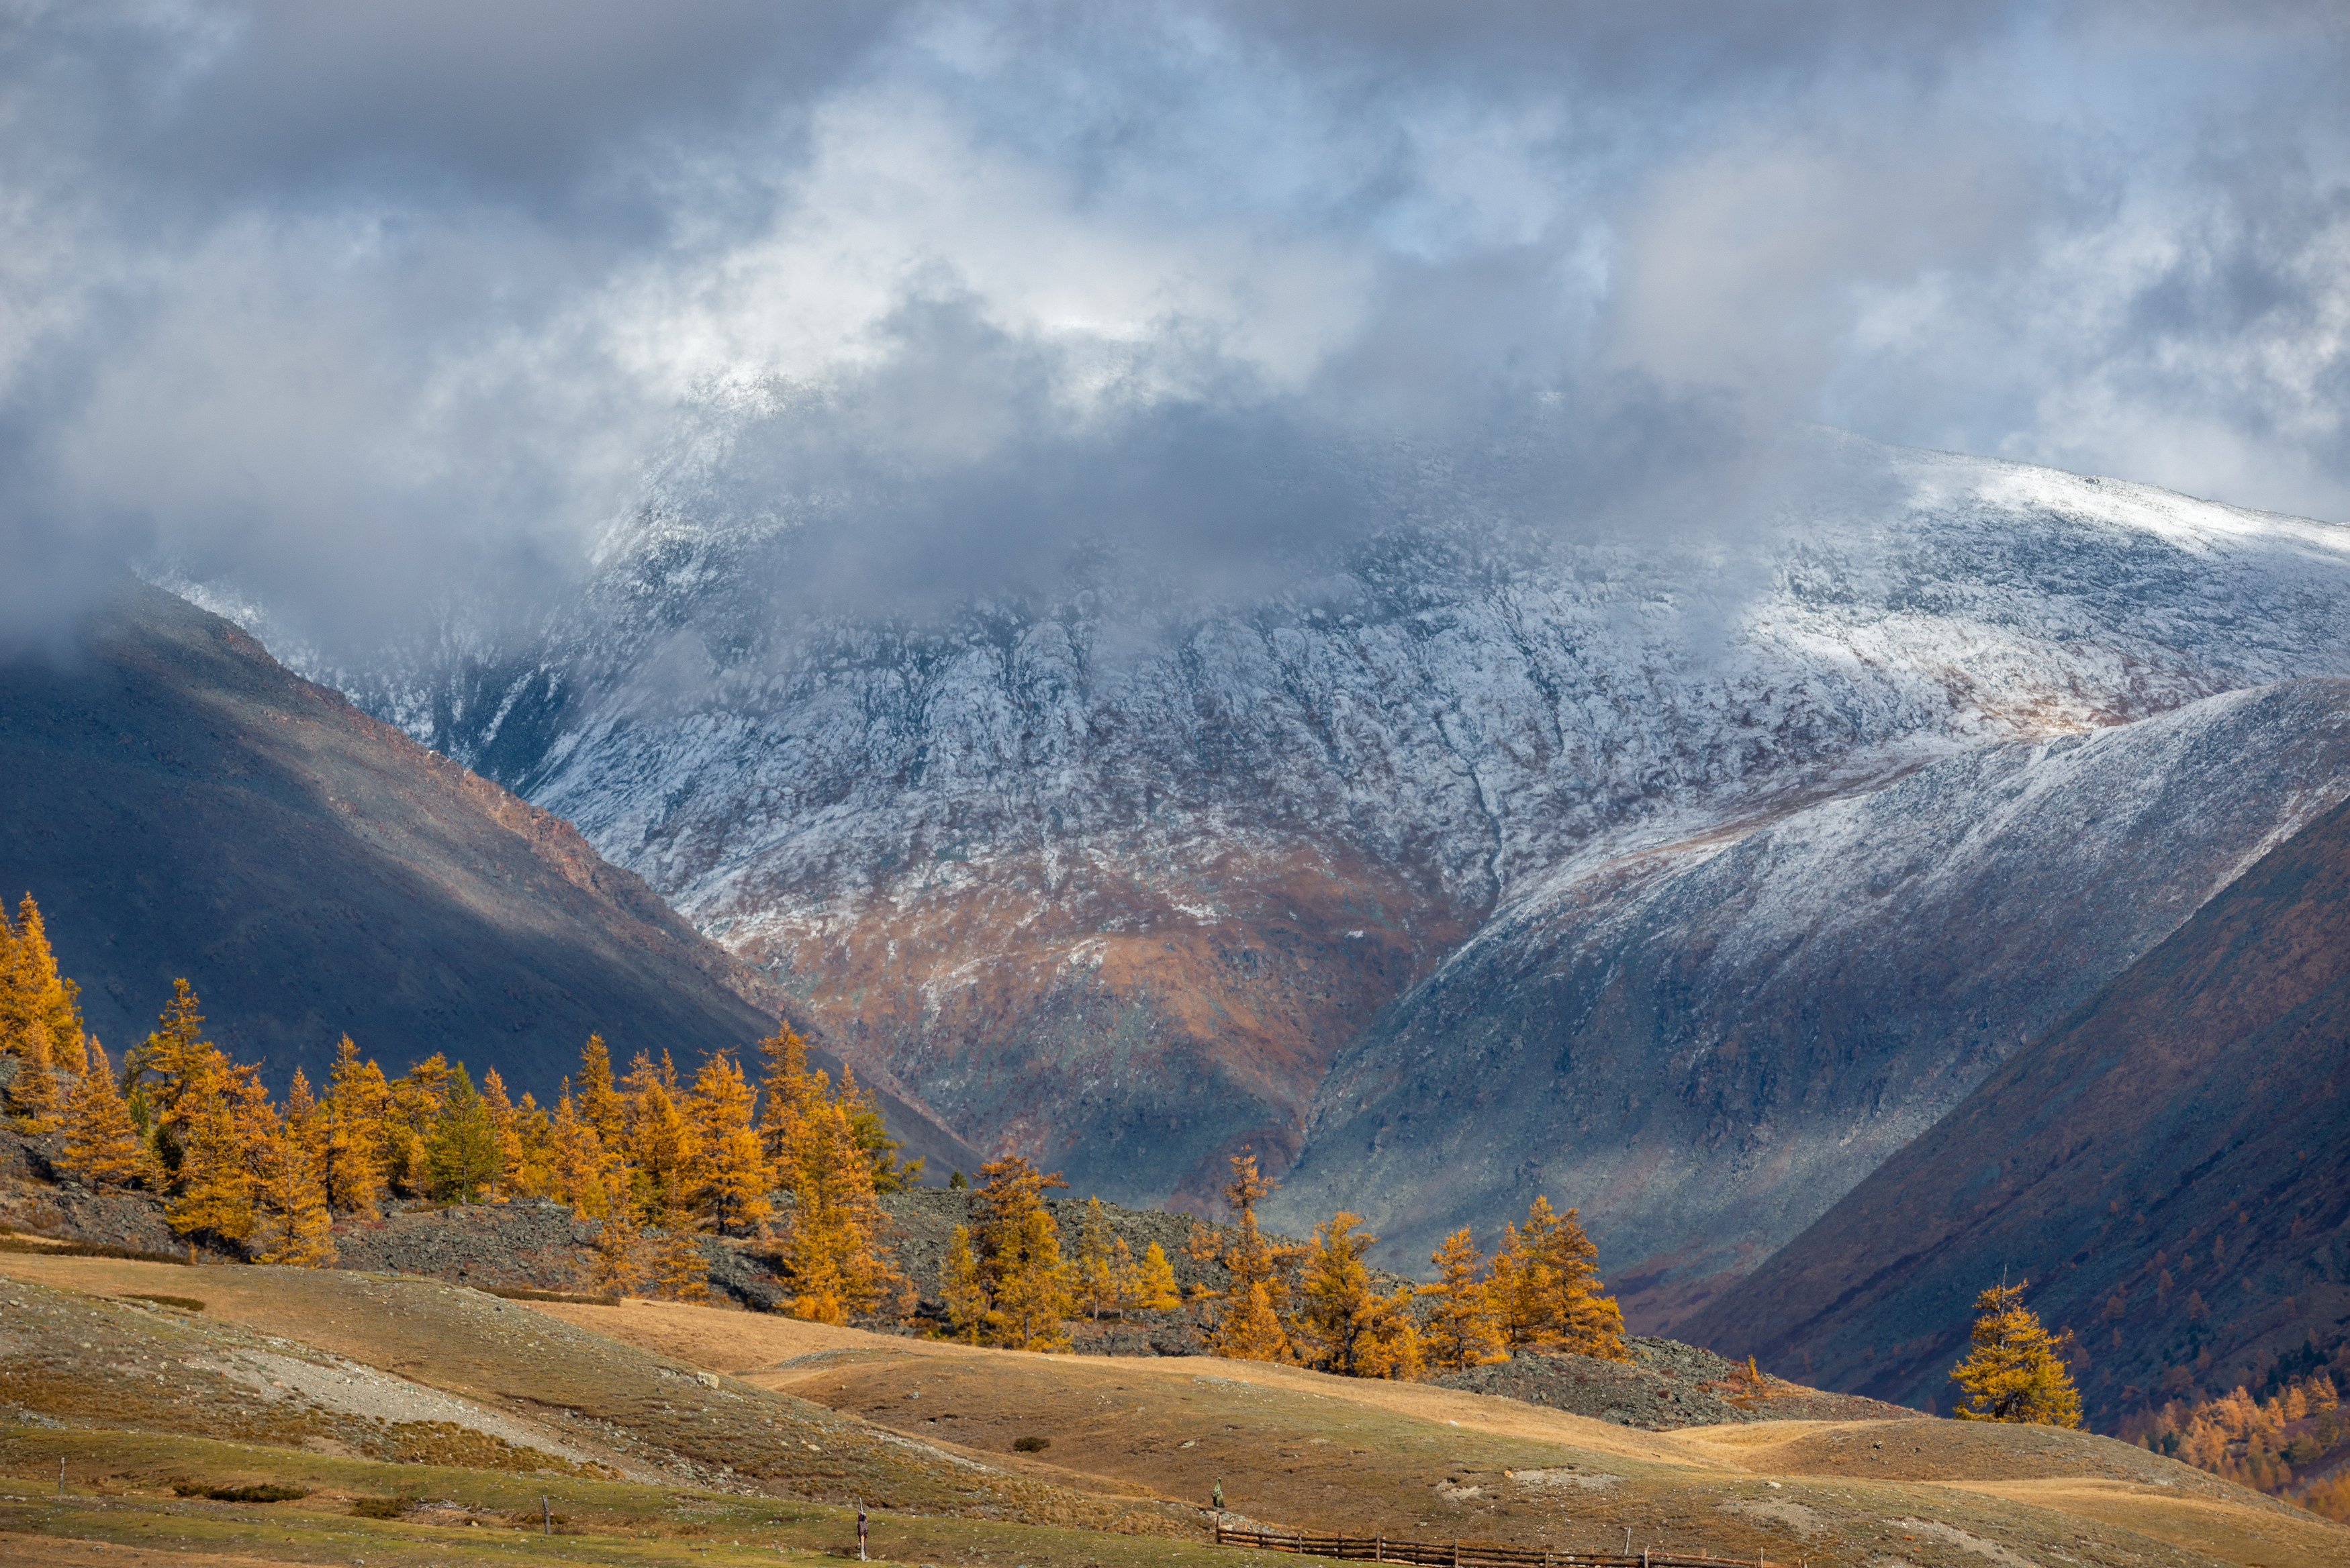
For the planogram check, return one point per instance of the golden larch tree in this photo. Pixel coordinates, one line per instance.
(505, 1126)
(832, 1235)
(213, 1187)
(351, 1135)
(1253, 1264)
(1152, 1287)
(660, 1148)
(1103, 1265)
(680, 1272)
(599, 1103)
(1463, 1331)
(964, 1288)
(2015, 1371)
(1028, 1285)
(729, 1179)
(291, 1225)
(1546, 1288)
(1345, 1326)
(102, 1146)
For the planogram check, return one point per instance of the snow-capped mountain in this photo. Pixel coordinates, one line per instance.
(1113, 868)
(1705, 1046)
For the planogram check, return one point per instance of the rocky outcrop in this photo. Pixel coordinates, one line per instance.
(2169, 1168)
(1706, 1046)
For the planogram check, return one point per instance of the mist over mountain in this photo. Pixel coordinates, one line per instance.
(1113, 871)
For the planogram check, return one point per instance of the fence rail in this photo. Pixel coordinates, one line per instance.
(1463, 1553)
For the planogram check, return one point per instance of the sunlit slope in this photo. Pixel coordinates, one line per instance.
(1301, 1449)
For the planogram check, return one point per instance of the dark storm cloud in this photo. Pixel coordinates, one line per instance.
(351, 308)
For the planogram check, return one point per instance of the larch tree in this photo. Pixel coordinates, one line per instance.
(599, 1103)
(1103, 1265)
(2015, 1370)
(101, 1146)
(1153, 1288)
(964, 1288)
(729, 1178)
(789, 1089)
(1250, 1262)
(412, 1111)
(872, 1135)
(1343, 1326)
(1546, 1288)
(174, 1055)
(1464, 1330)
(617, 1269)
(1028, 1285)
(40, 1009)
(213, 1187)
(291, 1225)
(506, 1125)
(576, 1154)
(660, 1146)
(460, 1155)
(832, 1236)
(351, 1142)
(680, 1272)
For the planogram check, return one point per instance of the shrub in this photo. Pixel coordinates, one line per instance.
(185, 1304)
(382, 1507)
(238, 1493)
(1031, 1445)
(522, 1295)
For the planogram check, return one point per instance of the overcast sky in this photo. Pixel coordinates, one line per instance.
(350, 303)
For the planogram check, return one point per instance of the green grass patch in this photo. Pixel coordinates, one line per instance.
(123, 1489)
(239, 1493)
(86, 1250)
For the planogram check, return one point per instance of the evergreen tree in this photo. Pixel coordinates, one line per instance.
(1153, 1288)
(102, 1148)
(416, 1099)
(460, 1154)
(352, 1133)
(872, 1135)
(213, 1187)
(537, 1175)
(965, 1288)
(730, 1180)
(1464, 1330)
(1344, 1326)
(2015, 1371)
(291, 1225)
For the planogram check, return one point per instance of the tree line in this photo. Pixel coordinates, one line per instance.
(1309, 1305)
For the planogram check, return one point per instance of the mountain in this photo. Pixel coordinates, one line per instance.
(180, 803)
(1112, 870)
(1705, 1044)
(2170, 1168)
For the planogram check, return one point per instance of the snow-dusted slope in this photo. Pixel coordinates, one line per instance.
(1706, 1046)
(1113, 870)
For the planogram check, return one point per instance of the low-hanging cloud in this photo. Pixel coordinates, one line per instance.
(351, 308)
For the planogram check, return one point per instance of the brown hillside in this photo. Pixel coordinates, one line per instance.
(2170, 1168)
(182, 805)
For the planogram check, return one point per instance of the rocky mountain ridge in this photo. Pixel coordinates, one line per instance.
(1113, 871)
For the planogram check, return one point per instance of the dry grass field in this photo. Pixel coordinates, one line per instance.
(664, 1433)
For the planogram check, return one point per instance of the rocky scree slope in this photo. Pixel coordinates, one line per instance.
(1110, 871)
(1705, 1044)
(2169, 1167)
(181, 804)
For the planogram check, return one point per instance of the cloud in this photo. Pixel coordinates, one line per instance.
(352, 309)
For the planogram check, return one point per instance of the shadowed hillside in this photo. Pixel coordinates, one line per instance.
(2170, 1168)
(181, 804)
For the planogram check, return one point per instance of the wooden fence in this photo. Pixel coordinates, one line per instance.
(1463, 1553)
